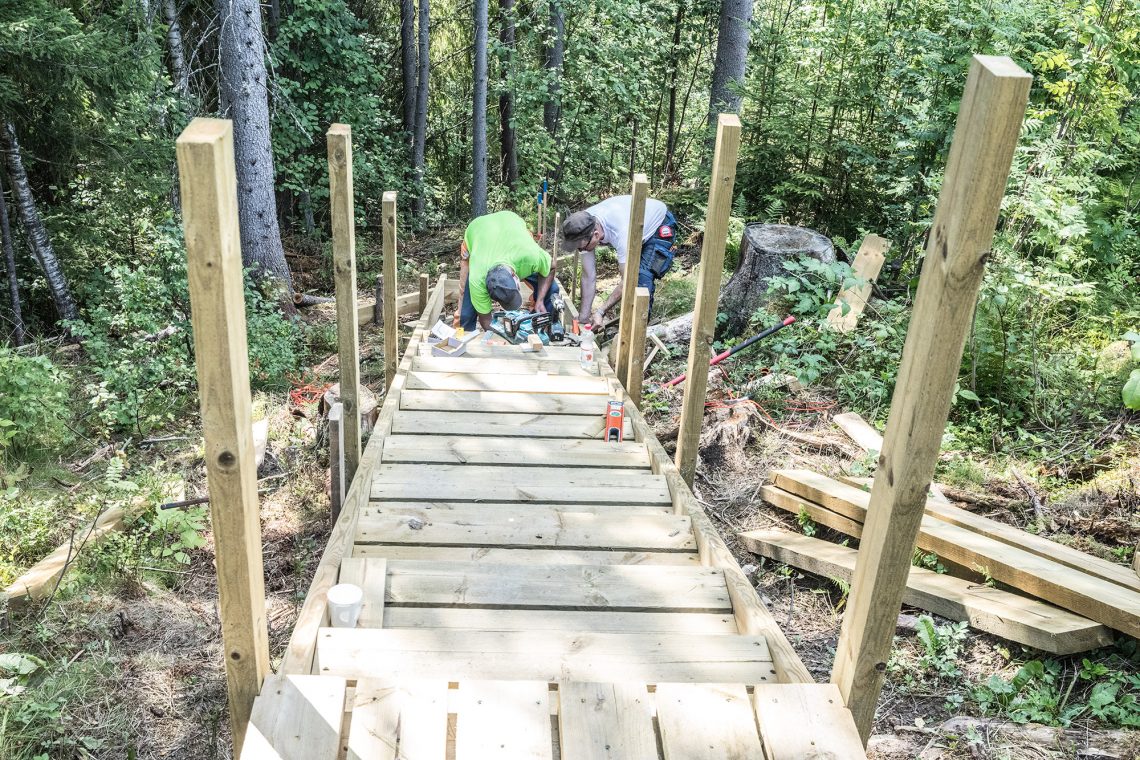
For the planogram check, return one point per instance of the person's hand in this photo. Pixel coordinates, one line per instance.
(596, 319)
(539, 307)
(455, 317)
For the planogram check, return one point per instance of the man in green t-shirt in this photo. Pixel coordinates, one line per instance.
(497, 252)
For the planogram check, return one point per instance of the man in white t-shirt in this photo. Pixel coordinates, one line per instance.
(607, 223)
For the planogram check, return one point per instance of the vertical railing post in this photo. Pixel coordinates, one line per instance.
(336, 460)
(391, 322)
(423, 291)
(629, 280)
(208, 187)
(339, 139)
(637, 345)
(708, 292)
(989, 119)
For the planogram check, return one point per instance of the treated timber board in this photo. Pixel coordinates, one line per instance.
(542, 527)
(503, 719)
(628, 588)
(374, 730)
(459, 424)
(488, 381)
(1011, 616)
(571, 477)
(707, 721)
(296, 718)
(560, 620)
(1100, 600)
(499, 402)
(542, 655)
(411, 714)
(605, 721)
(806, 722)
(511, 366)
(868, 262)
(513, 508)
(526, 556)
(652, 490)
(370, 576)
(512, 451)
(481, 350)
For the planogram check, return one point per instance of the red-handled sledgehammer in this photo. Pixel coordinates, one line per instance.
(737, 348)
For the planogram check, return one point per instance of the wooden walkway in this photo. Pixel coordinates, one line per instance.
(532, 591)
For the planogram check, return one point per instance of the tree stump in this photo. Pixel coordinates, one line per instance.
(763, 250)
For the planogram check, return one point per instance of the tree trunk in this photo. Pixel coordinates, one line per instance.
(479, 114)
(508, 145)
(422, 106)
(274, 19)
(554, 54)
(408, 62)
(10, 262)
(731, 56)
(34, 228)
(763, 250)
(244, 93)
(670, 169)
(179, 74)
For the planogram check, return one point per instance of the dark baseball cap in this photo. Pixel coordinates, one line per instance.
(577, 229)
(502, 287)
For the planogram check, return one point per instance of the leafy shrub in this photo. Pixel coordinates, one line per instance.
(34, 399)
(941, 646)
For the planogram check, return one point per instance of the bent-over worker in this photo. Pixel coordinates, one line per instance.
(496, 254)
(607, 223)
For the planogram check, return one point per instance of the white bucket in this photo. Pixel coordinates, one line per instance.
(345, 602)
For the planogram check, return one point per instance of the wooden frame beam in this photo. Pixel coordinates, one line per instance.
(391, 321)
(208, 185)
(985, 136)
(636, 360)
(620, 351)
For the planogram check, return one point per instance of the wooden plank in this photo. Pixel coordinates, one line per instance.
(489, 381)
(628, 588)
(569, 621)
(374, 731)
(391, 321)
(1105, 602)
(519, 475)
(605, 721)
(503, 719)
(480, 350)
(502, 401)
(410, 716)
(518, 510)
(535, 451)
(40, 579)
(651, 491)
(296, 718)
(1011, 616)
(1039, 545)
(709, 721)
(423, 720)
(526, 556)
(540, 527)
(337, 480)
(789, 714)
(425, 285)
(511, 366)
(342, 214)
(860, 431)
(635, 360)
(541, 655)
(217, 309)
(459, 424)
(620, 351)
(868, 261)
(371, 576)
(992, 108)
(708, 291)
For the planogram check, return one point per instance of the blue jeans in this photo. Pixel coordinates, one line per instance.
(657, 256)
(468, 317)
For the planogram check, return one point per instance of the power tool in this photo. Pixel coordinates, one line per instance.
(517, 325)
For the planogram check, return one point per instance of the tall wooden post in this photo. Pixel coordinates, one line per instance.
(554, 251)
(424, 283)
(637, 345)
(989, 119)
(391, 322)
(708, 291)
(339, 138)
(217, 303)
(629, 279)
(336, 461)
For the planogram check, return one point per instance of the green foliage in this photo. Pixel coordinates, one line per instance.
(928, 561)
(1130, 393)
(807, 525)
(34, 404)
(942, 645)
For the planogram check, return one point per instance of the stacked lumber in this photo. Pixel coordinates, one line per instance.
(1061, 600)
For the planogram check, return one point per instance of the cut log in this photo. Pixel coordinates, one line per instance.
(676, 330)
(763, 250)
(369, 406)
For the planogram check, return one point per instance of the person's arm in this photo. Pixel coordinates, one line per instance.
(464, 271)
(485, 321)
(615, 296)
(544, 286)
(589, 286)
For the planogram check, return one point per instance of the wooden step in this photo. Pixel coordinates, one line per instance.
(525, 556)
(505, 366)
(479, 350)
(525, 487)
(502, 402)
(542, 655)
(523, 475)
(535, 528)
(559, 620)
(487, 381)
(512, 451)
(515, 508)
(296, 718)
(461, 424)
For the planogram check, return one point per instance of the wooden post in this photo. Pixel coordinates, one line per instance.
(637, 344)
(620, 353)
(989, 118)
(708, 291)
(336, 460)
(423, 291)
(574, 277)
(554, 252)
(208, 186)
(868, 262)
(339, 138)
(391, 322)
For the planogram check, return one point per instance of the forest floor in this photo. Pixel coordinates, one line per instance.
(125, 658)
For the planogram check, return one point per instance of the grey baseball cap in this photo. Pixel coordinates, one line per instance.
(577, 230)
(502, 287)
